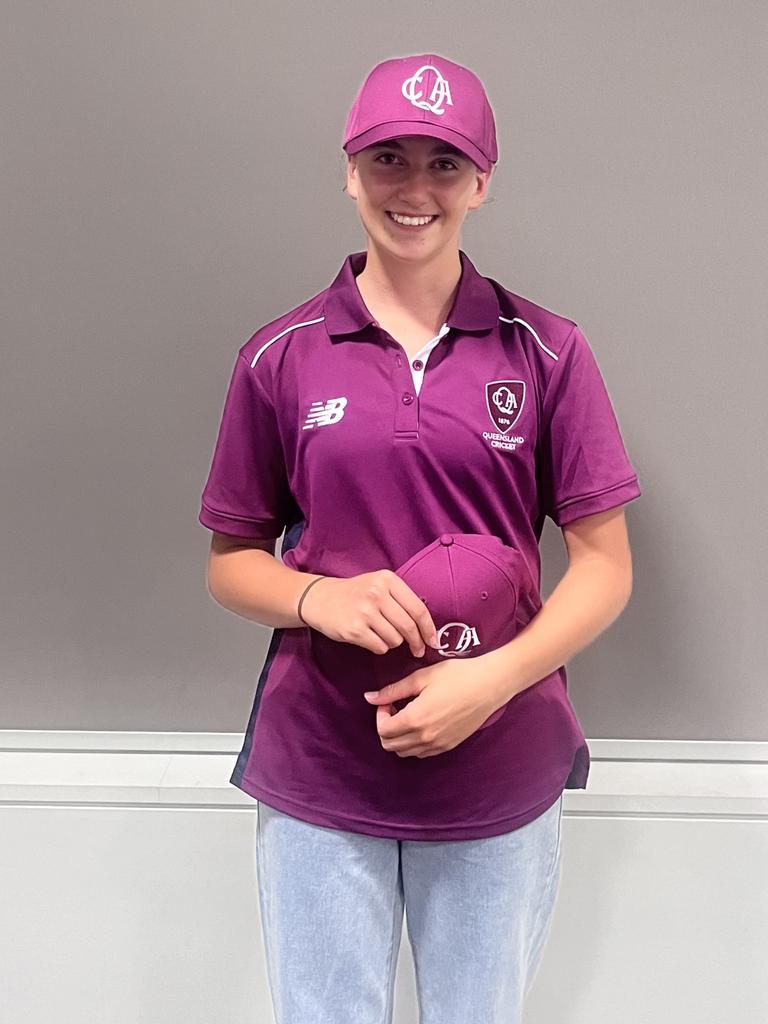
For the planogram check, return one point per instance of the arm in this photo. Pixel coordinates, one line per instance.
(245, 577)
(590, 597)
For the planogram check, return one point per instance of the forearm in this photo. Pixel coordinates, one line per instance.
(590, 596)
(255, 584)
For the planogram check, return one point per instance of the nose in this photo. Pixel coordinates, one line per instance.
(415, 191)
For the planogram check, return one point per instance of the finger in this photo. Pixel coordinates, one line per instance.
(415, 607)
(378, 626)
(394, 613)
(379, 637)
(393, 734)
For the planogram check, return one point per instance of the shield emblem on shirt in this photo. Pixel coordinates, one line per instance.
(504, 399)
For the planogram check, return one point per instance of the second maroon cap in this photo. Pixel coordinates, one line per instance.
(478, 590)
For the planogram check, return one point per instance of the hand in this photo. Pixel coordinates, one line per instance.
(375, 610)
(452, 700)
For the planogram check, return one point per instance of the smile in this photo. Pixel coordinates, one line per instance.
(411, 222)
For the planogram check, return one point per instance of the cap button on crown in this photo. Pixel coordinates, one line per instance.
(446, 538)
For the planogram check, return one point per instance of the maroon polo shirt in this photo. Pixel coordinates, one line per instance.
(363, 457)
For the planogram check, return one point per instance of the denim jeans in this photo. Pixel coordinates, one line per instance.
(478, 914)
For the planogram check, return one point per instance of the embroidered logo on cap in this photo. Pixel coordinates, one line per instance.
(440, 90)
(467, 637)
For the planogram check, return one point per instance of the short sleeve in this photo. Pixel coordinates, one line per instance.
(584, 467)
(247, 493)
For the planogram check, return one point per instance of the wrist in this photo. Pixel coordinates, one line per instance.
(500, 674)
(301, 606)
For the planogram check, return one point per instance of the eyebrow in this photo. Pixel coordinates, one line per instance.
(441, 147)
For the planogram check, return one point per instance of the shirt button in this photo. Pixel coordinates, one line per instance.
(407, 398)
(417, 364)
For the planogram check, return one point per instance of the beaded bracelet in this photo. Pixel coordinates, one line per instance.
(301, 599)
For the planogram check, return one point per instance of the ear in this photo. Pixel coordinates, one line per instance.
(351, 188)
(483, 178)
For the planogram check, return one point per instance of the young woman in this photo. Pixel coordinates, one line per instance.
(410, 427)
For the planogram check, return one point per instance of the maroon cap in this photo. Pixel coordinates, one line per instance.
(423, 95)
(476, 588)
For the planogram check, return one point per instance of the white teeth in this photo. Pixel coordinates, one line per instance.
(412, 221)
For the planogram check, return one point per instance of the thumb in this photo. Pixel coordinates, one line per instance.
(387, 694)
(410, 686)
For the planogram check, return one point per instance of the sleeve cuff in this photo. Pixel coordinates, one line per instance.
(590, 504)
(238, 526)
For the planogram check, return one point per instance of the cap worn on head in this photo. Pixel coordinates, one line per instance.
(423, 95)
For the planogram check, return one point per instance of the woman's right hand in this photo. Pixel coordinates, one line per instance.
(375, 610)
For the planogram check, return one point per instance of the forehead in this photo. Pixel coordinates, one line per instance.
(427, 143)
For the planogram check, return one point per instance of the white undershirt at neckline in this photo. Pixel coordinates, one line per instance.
(423, 355)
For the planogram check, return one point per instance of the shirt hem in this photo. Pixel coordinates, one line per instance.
(426, 833)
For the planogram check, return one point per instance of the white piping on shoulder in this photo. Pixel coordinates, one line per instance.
(292, 327)
(517, 320)
(307, 323)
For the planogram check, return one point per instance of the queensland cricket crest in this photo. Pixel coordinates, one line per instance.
(504, 400)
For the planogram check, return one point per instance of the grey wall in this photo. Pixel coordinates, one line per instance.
(171, 180)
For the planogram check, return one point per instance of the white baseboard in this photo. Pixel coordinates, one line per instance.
(647, 777)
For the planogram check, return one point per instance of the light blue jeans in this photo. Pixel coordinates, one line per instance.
(478, 914)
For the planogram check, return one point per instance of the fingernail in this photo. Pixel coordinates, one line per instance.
(370, 694)
(434, 642)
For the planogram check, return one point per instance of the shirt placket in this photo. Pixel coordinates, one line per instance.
(409, 378)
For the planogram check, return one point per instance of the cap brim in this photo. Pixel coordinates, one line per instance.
(393, 129)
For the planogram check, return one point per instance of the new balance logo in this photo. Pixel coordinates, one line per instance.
(323, 413)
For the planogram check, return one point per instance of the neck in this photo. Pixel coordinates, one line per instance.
(424, 288)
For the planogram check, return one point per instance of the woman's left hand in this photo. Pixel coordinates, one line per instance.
(453, 699)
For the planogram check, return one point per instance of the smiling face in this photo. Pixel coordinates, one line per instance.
(415, 175)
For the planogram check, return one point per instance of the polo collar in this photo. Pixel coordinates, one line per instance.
(475, 306)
